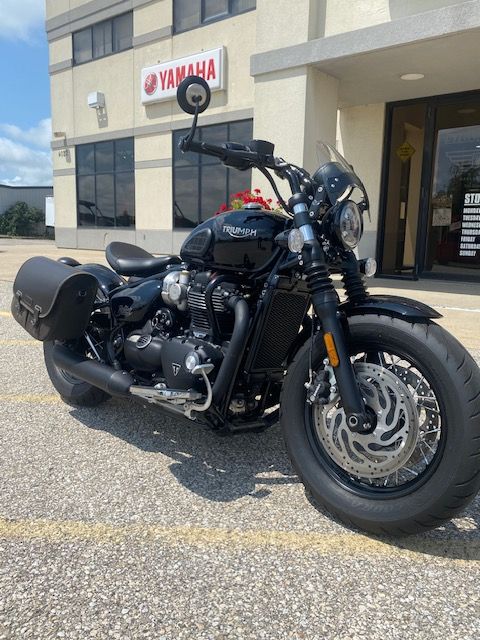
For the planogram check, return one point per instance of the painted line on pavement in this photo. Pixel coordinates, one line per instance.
(440, 306)
(345, 544)
(31, 398)
(5, 314)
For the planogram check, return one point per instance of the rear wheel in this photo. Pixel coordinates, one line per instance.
(420, 464)
(72, 390)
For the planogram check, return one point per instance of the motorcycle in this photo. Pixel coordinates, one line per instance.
(379, 406)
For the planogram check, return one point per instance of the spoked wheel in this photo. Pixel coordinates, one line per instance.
(402, 446)
(419, 464)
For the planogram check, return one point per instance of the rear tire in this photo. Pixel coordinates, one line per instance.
(72, 391)
(454, 478)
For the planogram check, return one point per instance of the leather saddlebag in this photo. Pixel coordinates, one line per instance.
(52, 300)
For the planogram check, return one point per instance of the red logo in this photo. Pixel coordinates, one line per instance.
(150, 84)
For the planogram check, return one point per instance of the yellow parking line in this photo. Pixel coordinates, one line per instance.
(5, 314)
(34, 398)
(345, 544)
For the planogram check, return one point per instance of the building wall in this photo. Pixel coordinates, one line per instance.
(33, 196)
(118, 78)
(305, 71)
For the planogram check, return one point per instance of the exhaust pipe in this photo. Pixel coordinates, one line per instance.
(113, 382)
(230, 362)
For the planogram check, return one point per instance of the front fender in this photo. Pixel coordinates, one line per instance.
(394, 306)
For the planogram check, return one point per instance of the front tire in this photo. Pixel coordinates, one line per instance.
(72, 391)
(451, 479)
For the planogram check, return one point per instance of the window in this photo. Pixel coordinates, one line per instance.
(189, 14)
(201, 184)
(106, 184)
(103, 38)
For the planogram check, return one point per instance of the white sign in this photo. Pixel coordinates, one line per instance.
(160, 81)
(442, 217)
(49, 211)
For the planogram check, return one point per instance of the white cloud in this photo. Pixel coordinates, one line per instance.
(22, 165)
(39, 136)
(20, 18)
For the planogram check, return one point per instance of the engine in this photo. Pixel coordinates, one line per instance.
(186, 331)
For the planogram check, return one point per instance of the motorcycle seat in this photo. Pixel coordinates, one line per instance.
(129, 260)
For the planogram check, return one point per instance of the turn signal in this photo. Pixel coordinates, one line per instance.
(331, 349)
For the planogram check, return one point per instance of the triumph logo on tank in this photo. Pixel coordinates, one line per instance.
(159, 82)
(239, 232)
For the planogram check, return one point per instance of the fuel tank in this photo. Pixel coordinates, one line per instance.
(241, 240)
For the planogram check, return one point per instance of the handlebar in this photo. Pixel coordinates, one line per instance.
(231, 153)
(242, 157)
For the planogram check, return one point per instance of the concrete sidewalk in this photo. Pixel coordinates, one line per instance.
(459, 303)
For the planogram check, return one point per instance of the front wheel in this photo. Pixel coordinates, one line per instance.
(419, 465)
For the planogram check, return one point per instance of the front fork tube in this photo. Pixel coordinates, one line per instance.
(325, 303)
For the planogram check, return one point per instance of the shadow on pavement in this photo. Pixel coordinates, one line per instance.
(218, 468)
(226, 468)
(455, 540)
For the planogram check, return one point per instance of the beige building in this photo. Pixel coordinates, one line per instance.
(395, 84)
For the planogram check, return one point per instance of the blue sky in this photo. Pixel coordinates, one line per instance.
(25, 126)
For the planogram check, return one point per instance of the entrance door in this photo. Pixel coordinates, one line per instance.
(431, 199)
(453, 237)
(403, 186)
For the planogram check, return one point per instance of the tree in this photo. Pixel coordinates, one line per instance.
(19, 219)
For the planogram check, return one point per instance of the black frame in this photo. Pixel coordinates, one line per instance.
(114, 172)
(203, 22)
(205, 166)
(90, 28)
(432, 103)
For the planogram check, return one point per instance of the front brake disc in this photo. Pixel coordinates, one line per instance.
(389, 446)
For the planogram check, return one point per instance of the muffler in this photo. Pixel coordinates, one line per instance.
(121, 383)
(113, 382)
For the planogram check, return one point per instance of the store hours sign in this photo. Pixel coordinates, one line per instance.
(470, 226)
(159, 82)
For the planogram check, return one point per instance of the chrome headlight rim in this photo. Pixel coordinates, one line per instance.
(348, 212)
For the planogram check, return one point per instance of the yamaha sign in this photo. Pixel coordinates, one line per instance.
(160, 81)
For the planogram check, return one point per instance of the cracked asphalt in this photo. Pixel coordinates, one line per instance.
(119, 522)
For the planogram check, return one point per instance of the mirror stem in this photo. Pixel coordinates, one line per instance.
(185, 142)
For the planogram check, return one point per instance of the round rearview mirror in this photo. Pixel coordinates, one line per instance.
(193, 91)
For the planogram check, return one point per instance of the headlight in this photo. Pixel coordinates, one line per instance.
(348, 224)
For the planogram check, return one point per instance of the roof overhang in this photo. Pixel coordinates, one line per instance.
(443, 44)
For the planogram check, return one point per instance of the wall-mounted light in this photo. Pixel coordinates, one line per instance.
(96, 100)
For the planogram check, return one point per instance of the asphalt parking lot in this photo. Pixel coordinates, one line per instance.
(117, 522)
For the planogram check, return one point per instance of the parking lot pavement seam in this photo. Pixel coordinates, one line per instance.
(344, 544)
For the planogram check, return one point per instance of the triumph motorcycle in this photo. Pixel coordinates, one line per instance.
(379, 406)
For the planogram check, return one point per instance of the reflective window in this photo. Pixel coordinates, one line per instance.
(201, 184)
(122, 32)
(103, 38)
(106, 184)
(189, 14)
(82, 46)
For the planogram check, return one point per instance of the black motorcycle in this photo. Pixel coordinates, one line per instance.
(379, 406)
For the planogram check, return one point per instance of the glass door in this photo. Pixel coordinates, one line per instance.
(403, 189)
(430, 224)
(453, 225)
